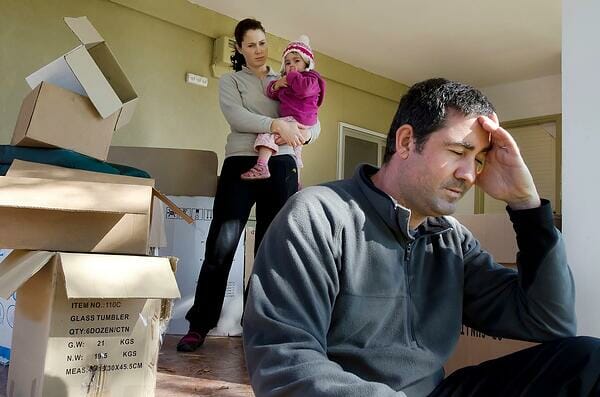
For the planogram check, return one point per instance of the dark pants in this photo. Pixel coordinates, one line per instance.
(233, 202)
(567, 367)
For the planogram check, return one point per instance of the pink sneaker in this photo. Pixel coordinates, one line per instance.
(259, 171)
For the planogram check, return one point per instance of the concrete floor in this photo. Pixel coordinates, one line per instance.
(217, 369)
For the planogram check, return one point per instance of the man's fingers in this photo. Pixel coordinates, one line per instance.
(487, 124)
(494, 118)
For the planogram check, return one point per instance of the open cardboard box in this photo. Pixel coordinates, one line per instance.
(45, 207)
(85, 324)
(497, 236)
(90, 70)
(51, 116)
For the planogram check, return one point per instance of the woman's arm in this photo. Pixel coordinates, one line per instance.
(238, 117)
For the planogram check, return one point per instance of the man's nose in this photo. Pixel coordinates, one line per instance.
(467, 172)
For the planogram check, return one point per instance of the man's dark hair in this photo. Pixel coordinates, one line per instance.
(425, 107)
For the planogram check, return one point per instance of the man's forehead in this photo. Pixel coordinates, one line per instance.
(465, 130)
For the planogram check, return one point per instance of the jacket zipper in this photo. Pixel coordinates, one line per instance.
(407, 257)
(411, 329)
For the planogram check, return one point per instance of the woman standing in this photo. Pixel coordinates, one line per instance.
(249, 112)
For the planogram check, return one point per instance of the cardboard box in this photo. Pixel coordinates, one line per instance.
(190, 172)
(51, 214)
(51, 116)
(85, 324)
(89, 70)
(55, 208)
(188, 243)
(7, 320)
(497, 236)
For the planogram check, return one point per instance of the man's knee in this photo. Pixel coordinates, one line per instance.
(583, 347)
(585, 343)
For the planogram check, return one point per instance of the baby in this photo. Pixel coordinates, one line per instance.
(300, 92)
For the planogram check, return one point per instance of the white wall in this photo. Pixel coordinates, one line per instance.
(581, 142)
(526, 98)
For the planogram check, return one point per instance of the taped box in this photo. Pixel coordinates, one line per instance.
(188, 243)
(85, 324)
(90, 70)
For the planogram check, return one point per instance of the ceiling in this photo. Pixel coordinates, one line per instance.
(485, 42)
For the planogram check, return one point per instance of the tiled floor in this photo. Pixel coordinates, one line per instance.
(216, 370)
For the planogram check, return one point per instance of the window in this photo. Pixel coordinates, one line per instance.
(358, 145)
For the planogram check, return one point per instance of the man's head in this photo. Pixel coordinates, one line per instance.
(435, 148)
(427, 104)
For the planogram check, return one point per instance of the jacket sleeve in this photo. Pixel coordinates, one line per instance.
(286, 319)
(537, 302)
(303, 84)
(273, 94)
(238, 117)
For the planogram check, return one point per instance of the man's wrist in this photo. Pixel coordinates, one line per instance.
(525, 204)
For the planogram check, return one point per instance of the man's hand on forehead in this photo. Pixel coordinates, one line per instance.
(505, 175)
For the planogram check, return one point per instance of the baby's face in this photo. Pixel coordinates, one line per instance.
(293, 61)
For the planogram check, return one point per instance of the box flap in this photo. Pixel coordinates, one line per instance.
(27, 169)
(58, 73)
(18, 267)
(66, 195)
(126, 113)
(118, 276)
(173, 206)
(96, 86)
(84, 30)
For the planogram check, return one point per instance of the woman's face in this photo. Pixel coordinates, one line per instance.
(254, 48)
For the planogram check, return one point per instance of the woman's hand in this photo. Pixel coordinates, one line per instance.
(289, 132)
(305, 132)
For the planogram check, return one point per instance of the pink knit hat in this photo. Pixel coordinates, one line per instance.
(302, 47)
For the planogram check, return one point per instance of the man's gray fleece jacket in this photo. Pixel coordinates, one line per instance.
(344, 302)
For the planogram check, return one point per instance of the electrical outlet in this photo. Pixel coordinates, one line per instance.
(196, 79)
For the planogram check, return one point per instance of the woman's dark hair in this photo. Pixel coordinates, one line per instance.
(237, 59)
(425, 107)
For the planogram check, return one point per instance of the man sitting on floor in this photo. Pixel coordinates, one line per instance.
(360, 286)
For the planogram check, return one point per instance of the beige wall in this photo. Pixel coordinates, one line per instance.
(156, 43)
(526, 98)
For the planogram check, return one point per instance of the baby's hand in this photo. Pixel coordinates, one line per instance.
(282, 82)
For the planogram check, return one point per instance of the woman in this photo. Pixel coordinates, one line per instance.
(249, 112)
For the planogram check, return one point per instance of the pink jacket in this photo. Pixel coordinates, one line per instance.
(301, 98)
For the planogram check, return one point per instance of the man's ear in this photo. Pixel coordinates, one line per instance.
(238, 48)
(404, 140)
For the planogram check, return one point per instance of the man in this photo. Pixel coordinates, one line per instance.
(360, 286)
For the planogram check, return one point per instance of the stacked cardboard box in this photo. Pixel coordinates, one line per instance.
(89, 305)
(78, 100)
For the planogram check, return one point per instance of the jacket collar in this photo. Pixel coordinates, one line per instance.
(395, 216)
(270, 72)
